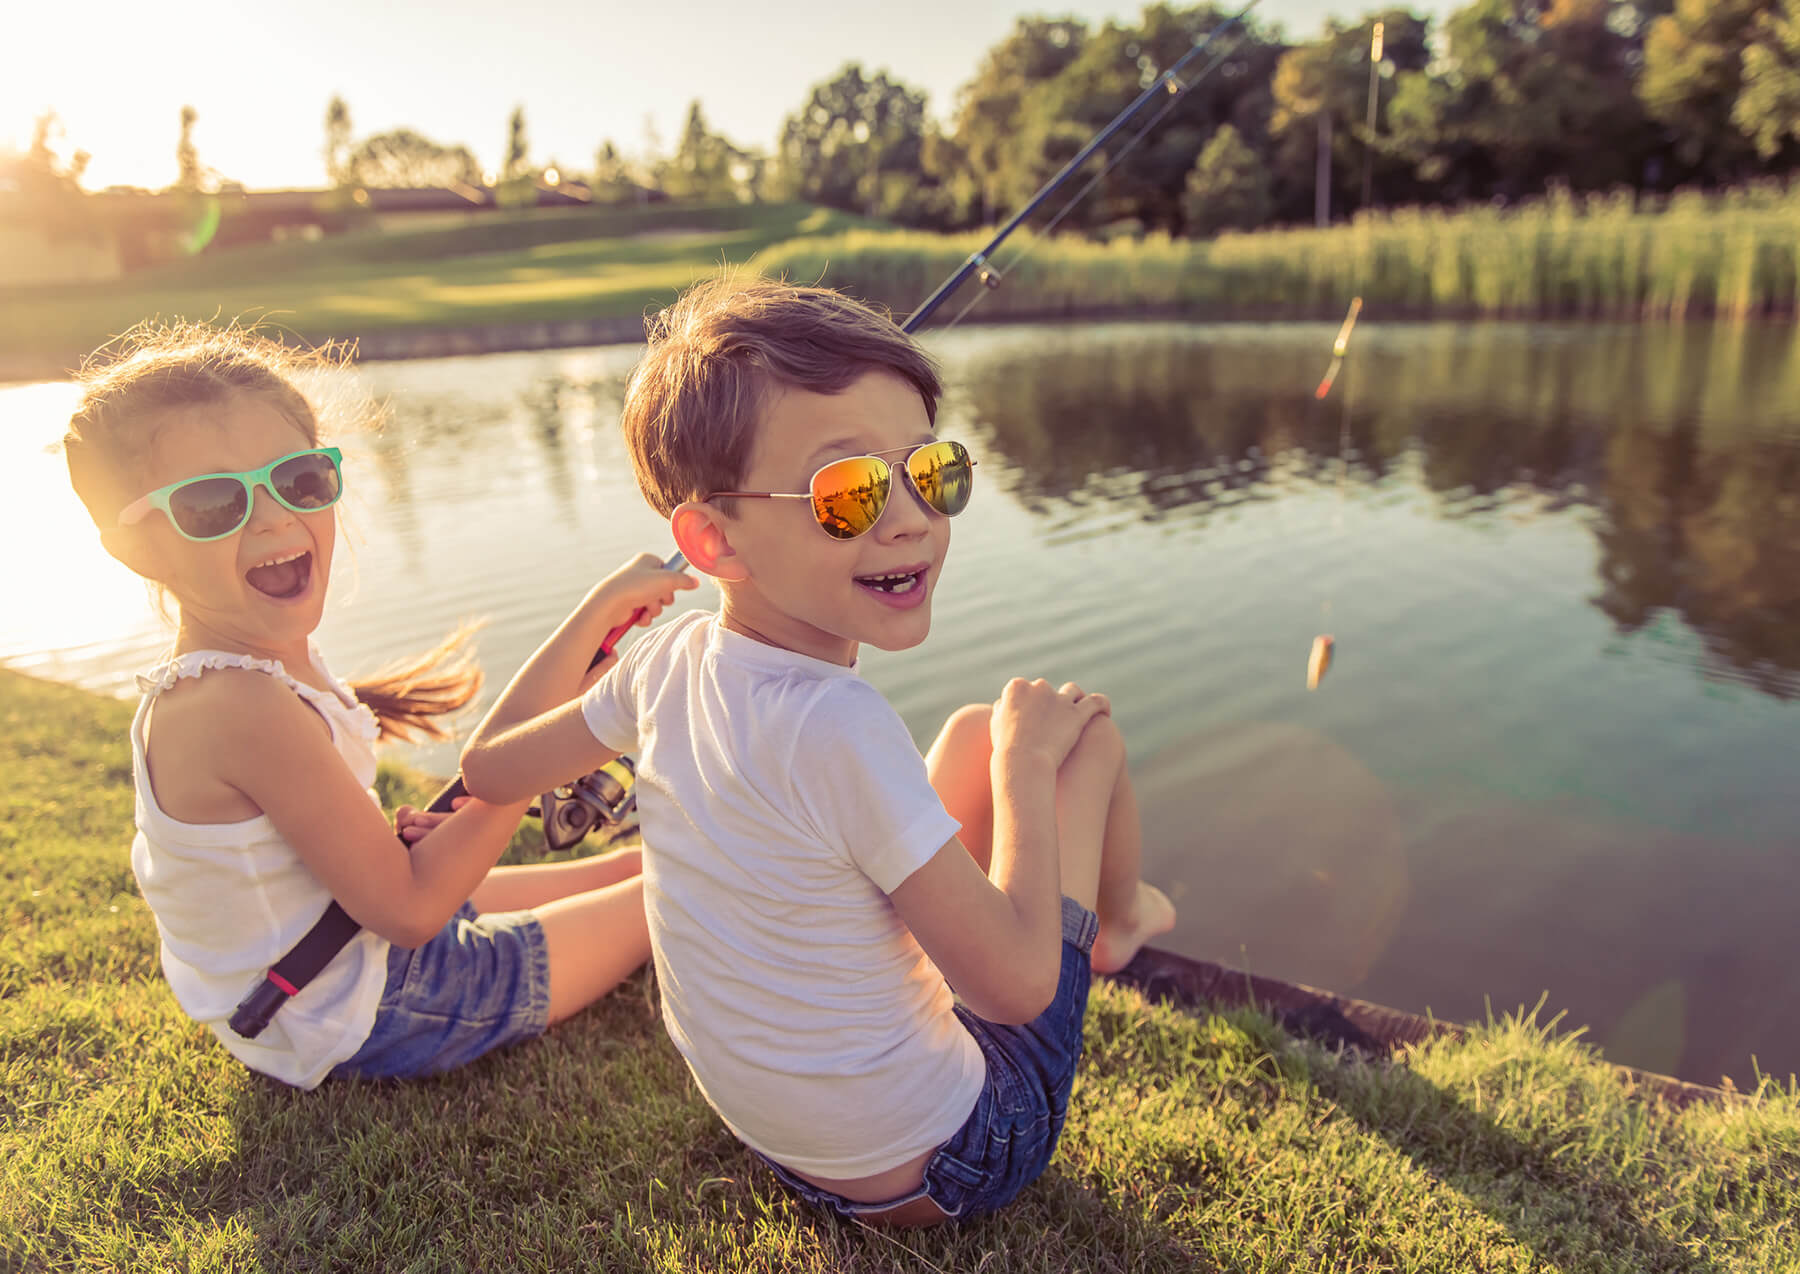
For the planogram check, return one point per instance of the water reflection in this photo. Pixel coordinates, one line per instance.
(1693, 488)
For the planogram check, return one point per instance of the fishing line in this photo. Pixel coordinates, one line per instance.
(1325, 645)
(991, 277)
(978, 261)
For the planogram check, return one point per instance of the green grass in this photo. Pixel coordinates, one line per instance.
(1734, 254)
(130, 1140)
(590, 264)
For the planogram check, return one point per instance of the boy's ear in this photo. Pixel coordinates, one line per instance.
(699, 531)
(127, 545)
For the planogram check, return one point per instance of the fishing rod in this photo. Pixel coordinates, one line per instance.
(607, 795)
(1169, 81)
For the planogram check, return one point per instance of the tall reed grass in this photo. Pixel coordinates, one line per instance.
(1735, 254)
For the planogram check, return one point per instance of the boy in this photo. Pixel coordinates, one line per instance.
(814, 887)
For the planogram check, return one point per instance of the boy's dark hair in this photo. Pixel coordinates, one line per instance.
(716, 355)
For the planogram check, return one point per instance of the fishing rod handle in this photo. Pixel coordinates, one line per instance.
(675, 563)
(441, 803)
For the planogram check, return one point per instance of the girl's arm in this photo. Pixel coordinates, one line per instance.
(268, 744)
(534, 736)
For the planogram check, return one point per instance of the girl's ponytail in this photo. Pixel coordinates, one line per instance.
(409, 695)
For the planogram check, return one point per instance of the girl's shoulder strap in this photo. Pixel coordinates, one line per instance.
(195, 663)
(338, 705)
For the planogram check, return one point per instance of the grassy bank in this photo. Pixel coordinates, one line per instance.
(599, 263)
(1732, 255)
(130, 1140)
(1735, 254)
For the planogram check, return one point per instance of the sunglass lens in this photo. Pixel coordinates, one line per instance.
(209, 508)
(944, 475)
(849, 495)
(310, 481)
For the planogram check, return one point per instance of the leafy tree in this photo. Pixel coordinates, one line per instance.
(518, 147)
(187, 157)
(43, 171)
(857, 145)
(996, 106)
(1228, 188)
(1692, 77)
(1329, 78)
(1767, 109)
(1529, 93)
(611, 181)
(401, 158)
(1114, 67)
(705, 165)
(337, 141)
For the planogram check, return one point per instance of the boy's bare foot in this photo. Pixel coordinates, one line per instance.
(1152, 914)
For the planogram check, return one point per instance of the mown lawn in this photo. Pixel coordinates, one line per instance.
(602, 264)
(129, 1140)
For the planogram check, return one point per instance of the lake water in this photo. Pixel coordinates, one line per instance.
(1558, 754)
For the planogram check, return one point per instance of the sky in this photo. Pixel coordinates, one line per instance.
(117, 72)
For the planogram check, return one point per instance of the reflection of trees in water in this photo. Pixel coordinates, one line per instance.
(1160, 416)
(1697, 515)
(547, 403)
(1711, 532)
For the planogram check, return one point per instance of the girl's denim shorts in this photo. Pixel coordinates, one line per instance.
(482, 982)
(1007, 1140)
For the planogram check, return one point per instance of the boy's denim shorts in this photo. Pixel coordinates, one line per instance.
(1007, 1140)
(482, 982)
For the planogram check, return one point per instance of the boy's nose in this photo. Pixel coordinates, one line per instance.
(907, 514)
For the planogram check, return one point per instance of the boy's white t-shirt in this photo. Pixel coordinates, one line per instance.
(781, 799)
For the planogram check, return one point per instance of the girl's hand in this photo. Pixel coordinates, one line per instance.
(1030, 717)
(412, 825)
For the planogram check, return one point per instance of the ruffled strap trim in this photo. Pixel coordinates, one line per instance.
(341, 702)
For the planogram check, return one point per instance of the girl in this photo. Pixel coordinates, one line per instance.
(199, 458)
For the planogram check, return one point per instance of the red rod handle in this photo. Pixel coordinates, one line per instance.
(611, 639)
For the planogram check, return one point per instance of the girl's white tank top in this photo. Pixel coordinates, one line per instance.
(230, 899)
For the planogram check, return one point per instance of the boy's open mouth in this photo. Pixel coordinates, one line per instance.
(894, 582)
(283, 577)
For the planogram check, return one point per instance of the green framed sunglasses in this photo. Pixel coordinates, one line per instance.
(214, 505)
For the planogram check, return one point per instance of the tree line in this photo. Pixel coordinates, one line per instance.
(1505, 100)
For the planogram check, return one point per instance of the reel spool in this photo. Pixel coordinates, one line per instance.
(604, 798)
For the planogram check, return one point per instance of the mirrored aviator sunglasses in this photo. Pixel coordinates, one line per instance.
(848, 496)
(214, 505)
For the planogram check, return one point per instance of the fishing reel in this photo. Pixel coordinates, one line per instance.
(605, 798)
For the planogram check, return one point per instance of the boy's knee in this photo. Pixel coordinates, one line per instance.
(1100, 747)
(970, 721)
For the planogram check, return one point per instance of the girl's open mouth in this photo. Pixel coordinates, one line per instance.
(284, 578)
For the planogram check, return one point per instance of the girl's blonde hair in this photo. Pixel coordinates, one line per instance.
(156, 368)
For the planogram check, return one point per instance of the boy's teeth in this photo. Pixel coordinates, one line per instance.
(896, 583)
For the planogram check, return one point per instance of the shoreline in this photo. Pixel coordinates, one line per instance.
(400, 344)
(1340, 1021)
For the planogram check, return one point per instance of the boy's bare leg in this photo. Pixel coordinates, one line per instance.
(958, 767)
(1131, 911)
(596, 940)
(522, 888)
(1098, 828)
